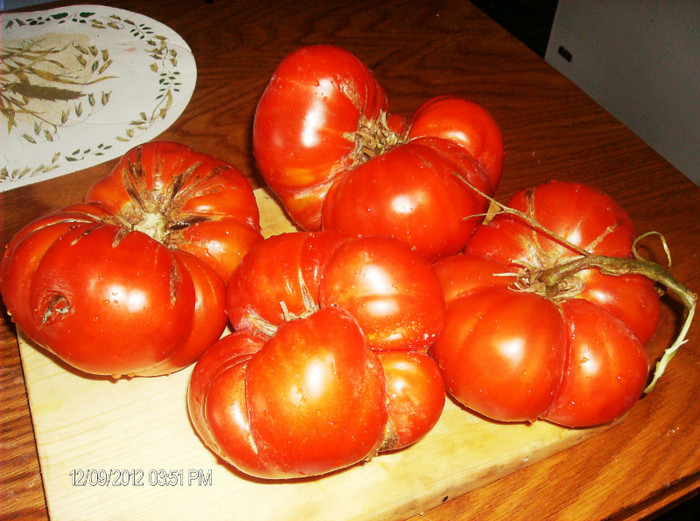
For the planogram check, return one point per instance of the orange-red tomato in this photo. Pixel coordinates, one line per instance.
(327, 145)
(518, 346)
(328, 365)
(132, 282)
(305, 132)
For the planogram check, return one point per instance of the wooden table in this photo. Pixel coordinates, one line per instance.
(552, 130)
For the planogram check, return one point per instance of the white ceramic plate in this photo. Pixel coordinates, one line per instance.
(81, 85)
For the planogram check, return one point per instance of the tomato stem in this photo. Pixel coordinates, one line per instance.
(375, 137)
(617, 266)
(270, 329)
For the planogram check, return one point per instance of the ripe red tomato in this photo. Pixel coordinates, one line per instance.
(328, 147)
(328, 364)
(305, 132)
(391, 291)
(131, 282)
(308, 401)
(466, 123)
(526, 337)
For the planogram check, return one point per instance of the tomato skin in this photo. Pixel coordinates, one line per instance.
(323, 140)
(581, 214)
(216, 400)
(306, 122)
(606, 368)
(332, 372)
(590, 220)
(110, 293)
(269, 276)
(222, 245)
(466, 123)
(416, 393)
(630, 298)
(393, 293)
(26, 250)
(490, 332)
(464, 273)
(496, 290)
(208, 320)
(201, 203)
(411, 193)
(103, 284)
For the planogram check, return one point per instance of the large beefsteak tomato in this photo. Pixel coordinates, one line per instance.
(328, 364)
(532, 331)
(326, 144)
(132, 281)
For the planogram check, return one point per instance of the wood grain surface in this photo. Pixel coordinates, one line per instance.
(632, 470)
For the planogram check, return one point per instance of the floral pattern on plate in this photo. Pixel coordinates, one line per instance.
(81, 85)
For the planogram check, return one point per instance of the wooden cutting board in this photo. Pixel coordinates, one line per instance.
(116, 450)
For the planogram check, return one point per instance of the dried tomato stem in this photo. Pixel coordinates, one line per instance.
(310, 307)
(502, 208)
(615, 266)
(374, 137)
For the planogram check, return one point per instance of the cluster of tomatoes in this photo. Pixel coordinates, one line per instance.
(346, 334)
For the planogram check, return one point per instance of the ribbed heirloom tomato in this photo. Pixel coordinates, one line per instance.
(328, 365)
(337, 159)
(131, 282)
(536, 325)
